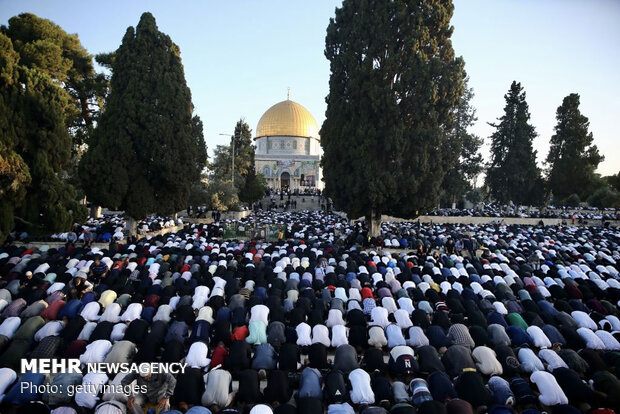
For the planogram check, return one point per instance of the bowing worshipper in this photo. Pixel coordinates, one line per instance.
(159, 388)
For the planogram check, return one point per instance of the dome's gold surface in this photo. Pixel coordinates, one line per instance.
(287, 118)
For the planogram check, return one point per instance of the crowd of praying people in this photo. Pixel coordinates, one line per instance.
(425, 318)
(573, 214)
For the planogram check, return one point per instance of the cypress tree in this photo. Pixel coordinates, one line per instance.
(512, 174)
(572, 157)
(148, 148)
(244, 155)
(462, 174)
(393, 89)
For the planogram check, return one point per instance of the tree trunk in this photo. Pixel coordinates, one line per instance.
(374, 223)
(95, 211)
(130, 226)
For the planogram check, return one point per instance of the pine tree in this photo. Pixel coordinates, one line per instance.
(147, 149)
(393, 89)
(572, 157)
(512, 174)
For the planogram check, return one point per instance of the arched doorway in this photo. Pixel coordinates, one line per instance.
(285, 180)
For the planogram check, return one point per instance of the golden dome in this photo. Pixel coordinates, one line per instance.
(287, 118)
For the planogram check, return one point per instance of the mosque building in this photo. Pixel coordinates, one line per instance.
(288, 150)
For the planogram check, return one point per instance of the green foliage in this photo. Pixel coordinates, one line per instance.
(474, 195)
(613, 181)
(512, 174)
(394, 87)
(460, 176)
(36, 144)
(605, 197)
(249, 186)
(198, 194)
(572, 157)
(147, 149)
(221, 165)
(572, 200)
(44, 45)
(254, 187)
(222, 195)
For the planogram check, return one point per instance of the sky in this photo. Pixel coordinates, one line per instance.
(240, 57)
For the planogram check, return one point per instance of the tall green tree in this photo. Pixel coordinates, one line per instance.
(613, 181)
(461, 176)
(394, 86)
(14, 173)
(148, 148)
(512, 174)
(44, 45)
(241, 141)
(572, 157)
(250, 186)
(36, 144)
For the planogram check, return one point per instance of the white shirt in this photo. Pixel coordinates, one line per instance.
(417, 337)
(320, 334)
(83, 398)
(361, 391)
(174, 301)
(550, 391)
(402, 319)
(7, 377)
(111, 313)
(51, 328)
(394, 336)
(303, 334)
(354, 294)
(259, 313)
(133, 311)
(10, 326)
(201, 295)
(379, 317)
(55, 287)
(96, 351)
(205, 314)
(163, 313)
(91, 311)
(376, 337)
(552, 359)
(529, 360)
(583, 320)
(401, 350)
(339, 336)
(614, 321)
(389, 304)
(611, 343)
(118, 332)
(486, 361)
(539, 337)
(334, 317)
(406, 304)
(197, 355)
(592, 341)
(261, 409)
(500, 308)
